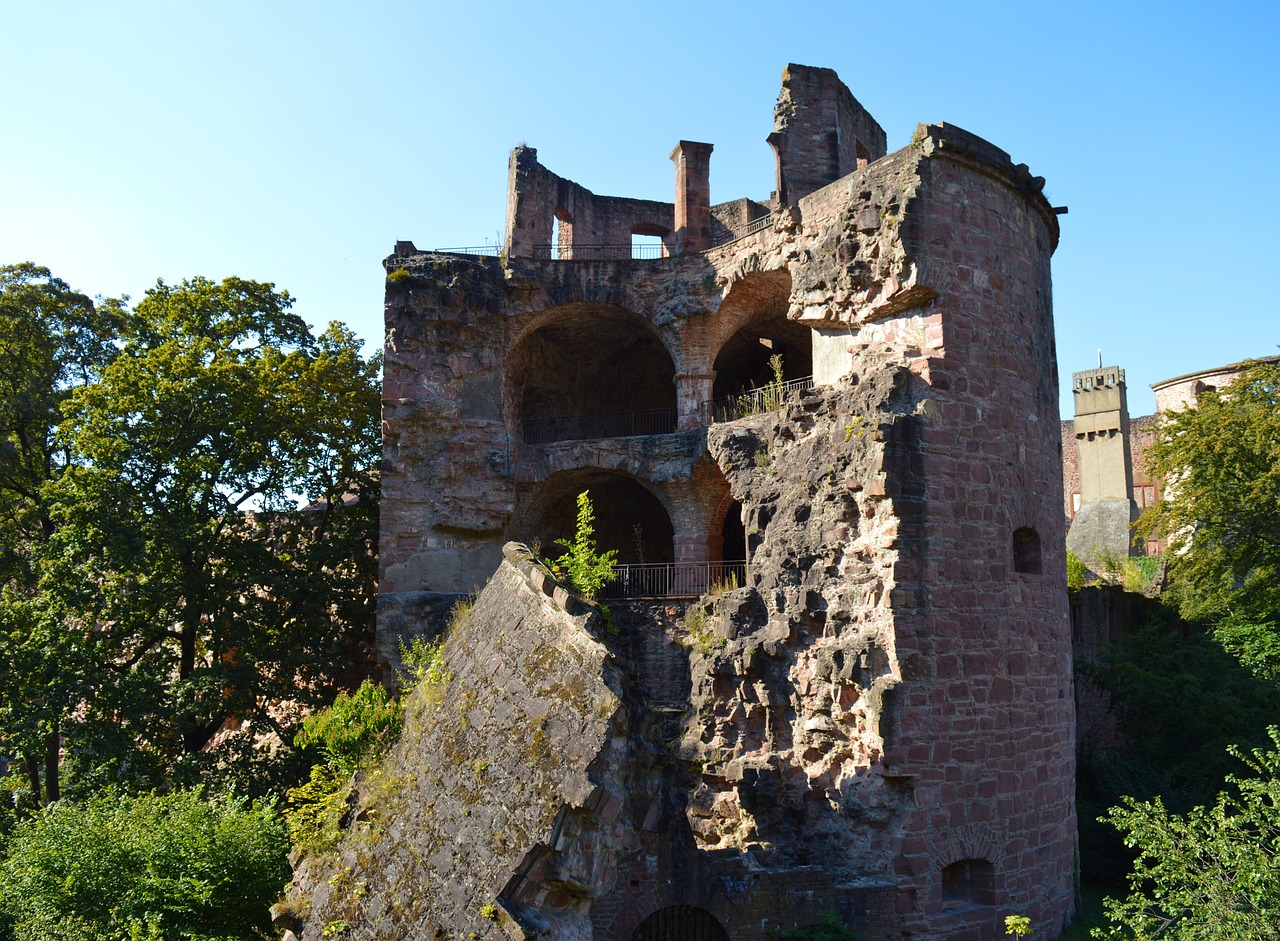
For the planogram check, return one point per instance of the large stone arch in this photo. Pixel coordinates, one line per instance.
(751, 327)
(631, 516)
(585, 370)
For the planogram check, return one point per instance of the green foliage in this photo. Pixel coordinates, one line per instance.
(1017, 926)
(700, 633)
(118, 868)
(1179, 700)
(53, 340)
(1140, 573)
(587, 569)
(1210, 873)
(424, 659)
(1221, 513)
(398, 275)
(828, 927)
(316, 808)
(172, 441)
(355, 729)
(351, 734)
(1077, 572)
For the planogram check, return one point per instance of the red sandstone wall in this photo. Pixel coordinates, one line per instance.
(987, 727)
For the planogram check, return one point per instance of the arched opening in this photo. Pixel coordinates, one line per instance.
(1026, 551)
(680, 923)
(756, 311)
(591, 372)
(647, 241)
(561, 233)
(733, 534)
(629, 518)
(968, 882)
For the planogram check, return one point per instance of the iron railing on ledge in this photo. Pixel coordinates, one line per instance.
(755, 401)
(599, 252)
(755, 225)
(654, 421)
(673, 579)
(473, 250)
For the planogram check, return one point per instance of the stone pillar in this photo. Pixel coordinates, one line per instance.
(1101, 527)
(693, 398)
(523, 211)
(693, 196)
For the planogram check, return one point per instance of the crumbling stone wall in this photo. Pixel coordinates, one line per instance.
(536, 196)
(492, 779)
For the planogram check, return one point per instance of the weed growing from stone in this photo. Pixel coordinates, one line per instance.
(587, 569)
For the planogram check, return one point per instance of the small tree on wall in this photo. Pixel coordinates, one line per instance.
(587, 569)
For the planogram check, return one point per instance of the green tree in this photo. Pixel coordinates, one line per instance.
(1221, 515)
(184, 597)
(53, 340)
(1210, 874)
(119, 868)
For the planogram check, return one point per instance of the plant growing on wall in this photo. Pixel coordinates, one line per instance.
(587, 569)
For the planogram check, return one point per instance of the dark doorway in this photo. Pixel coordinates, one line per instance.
(680, 923)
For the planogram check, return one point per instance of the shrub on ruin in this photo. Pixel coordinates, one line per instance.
(173, 866)
(355, 729)
(828, 927)
(583, 564)
(1077, 572)
(424, 659)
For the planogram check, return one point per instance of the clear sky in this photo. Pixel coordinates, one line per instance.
(296, 142)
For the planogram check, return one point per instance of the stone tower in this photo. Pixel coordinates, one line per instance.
(1100, 530)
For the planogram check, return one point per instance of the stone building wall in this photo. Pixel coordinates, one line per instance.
(880, 721)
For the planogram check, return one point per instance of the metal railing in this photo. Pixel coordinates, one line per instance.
(653, 421)
(767, 398)
(579, 252)
(473, 250)
(755, 225)
(673, 579)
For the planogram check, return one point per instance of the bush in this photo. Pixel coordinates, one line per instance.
(1210, 873)
(828, 927)
(354, 729)
(119, 868)
(1077, 572)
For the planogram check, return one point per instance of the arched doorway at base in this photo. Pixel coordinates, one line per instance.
(680, 923)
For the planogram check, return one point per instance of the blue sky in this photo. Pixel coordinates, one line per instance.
(296, 143)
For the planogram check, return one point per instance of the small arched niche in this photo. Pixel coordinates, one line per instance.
(680, 923)
(629, 518)
(968, 882)
(1026, 551)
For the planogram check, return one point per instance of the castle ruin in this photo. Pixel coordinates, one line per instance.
(822, 432)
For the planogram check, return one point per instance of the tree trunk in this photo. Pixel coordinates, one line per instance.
(52, 786)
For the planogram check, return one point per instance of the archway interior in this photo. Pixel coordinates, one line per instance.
(743, 363)
(628, 518)
(592, 373)
(734, 544)
(680, 923)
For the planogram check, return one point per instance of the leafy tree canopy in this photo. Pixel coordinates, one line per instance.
(1221, 515)
(173, 605)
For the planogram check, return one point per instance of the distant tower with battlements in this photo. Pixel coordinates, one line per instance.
(1100, 529)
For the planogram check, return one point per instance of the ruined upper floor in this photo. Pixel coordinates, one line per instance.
(821, 133)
